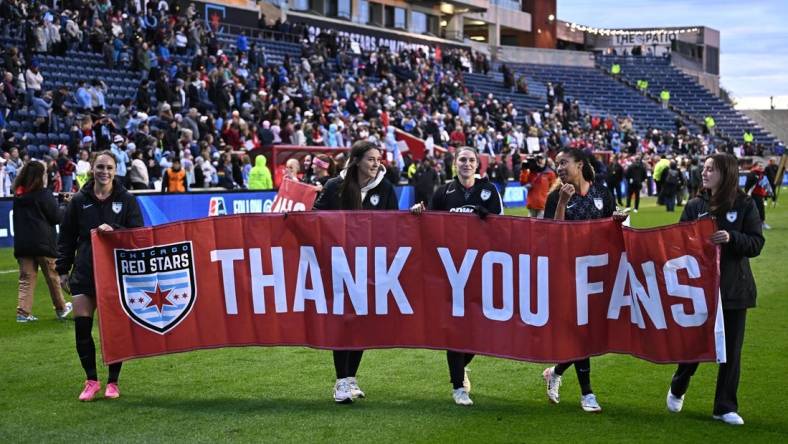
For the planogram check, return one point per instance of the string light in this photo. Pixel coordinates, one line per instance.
(604, 31)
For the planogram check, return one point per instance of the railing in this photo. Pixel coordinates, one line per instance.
(261, 33)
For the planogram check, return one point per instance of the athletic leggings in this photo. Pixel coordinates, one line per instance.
(583, 370)
(457, 362)
(346, 363)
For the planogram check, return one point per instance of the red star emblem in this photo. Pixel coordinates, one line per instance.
(158, 298)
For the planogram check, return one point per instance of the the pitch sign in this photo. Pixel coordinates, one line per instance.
(520, 288)
(156, 285)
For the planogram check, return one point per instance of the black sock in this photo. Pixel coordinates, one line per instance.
(583, 369)
(353, 362)
(86, 349)
(114, 373)
(559, 369)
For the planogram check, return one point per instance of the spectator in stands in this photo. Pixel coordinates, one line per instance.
(362, 186)
(138, 172)
(36, 214)
(87, 210)
(174, 179)
(740, 238)
(33, 81)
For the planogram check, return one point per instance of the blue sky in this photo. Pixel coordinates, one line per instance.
(753, 34)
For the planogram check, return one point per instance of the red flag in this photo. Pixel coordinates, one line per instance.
(294, 195)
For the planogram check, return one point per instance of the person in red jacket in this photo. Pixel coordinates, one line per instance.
(537, 178)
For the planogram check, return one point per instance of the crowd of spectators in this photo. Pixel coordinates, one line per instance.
(205, 106)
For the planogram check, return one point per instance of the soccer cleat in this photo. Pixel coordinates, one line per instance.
(90, 390)
(553, 384)
(61, 314)
(342, 393)
(25, 318)
(355, 390)
(589, 404)
(112, 391)
(766, 227)
(674, 403)
(731, 418)
(466, 381)
(635, 210)
(461, 397)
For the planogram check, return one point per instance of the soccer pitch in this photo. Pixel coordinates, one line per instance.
(257, 394)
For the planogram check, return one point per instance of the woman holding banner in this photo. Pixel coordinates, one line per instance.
(577, 197)
(360, 186)
(465, 194)
(104, 204)
(740, 239)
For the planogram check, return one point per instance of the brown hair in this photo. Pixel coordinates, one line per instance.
(723, 200)
(31, 177)
(105, 153)
(350, 191)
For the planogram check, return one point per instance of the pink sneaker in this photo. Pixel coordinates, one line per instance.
(90, 390)
(112, 391)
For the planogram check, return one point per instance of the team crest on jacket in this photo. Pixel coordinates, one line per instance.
(116, 207)
(485, 194)
(156, 285)
(598, 203)
(731, 216)
(374, 200)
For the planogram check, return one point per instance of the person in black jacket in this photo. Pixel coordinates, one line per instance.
(425, 180)
(740, 239)
(36, 213)
(635, 175)
(579, 197)
(103, 204)
(360, 186)
(615, 174)
(464, 194)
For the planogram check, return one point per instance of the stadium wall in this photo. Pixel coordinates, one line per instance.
(515, 54)
(774, 121)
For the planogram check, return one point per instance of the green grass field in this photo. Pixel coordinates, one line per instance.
(285, 394)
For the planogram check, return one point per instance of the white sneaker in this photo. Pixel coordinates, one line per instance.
(461, 397)
(342, 394)
(731, 418)
(61, 314)
(355, 390)
(466, 382)
(553, 384)
(589, 404)
(766, 226)
(635, 210)
(674, 402)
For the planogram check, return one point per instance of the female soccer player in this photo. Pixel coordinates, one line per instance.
(360, 186)
(740, 238)
(578, 198)
(103, 203)
(465, 194)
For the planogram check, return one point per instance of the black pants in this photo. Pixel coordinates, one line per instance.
(760, 206)
(636, 192)
(346, 362)
(615, 190)
(457, 362)
(728, 374)
(583, 370)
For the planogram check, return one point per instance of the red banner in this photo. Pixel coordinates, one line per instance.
(520, 288)
(293, 196)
